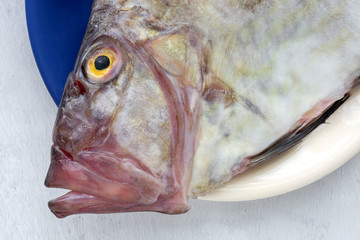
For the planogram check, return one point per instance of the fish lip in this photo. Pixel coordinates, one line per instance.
(57, 154)
(74, 202)
(66, 172)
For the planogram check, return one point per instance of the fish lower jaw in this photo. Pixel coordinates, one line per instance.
(77, 203)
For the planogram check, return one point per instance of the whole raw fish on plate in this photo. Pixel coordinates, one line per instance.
(170, 99)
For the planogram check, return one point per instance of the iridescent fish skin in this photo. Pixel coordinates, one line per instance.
(170, 99)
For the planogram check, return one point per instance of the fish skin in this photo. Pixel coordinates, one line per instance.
(200, 91)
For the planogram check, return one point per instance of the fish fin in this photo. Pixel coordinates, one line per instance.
(218, 91)
(295, 136)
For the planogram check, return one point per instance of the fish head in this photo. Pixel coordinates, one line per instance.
(119, 137)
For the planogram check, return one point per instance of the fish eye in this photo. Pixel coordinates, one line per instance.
(102, 64)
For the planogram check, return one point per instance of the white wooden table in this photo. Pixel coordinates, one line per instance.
(327, 209)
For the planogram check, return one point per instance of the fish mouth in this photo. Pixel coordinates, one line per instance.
(97, 180)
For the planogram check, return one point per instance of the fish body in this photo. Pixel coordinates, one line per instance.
(170, 99)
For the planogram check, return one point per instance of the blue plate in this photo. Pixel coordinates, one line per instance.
(56, 29)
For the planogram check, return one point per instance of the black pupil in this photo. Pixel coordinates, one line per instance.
(102, 62)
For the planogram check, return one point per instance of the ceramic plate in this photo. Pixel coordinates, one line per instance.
(56, 29)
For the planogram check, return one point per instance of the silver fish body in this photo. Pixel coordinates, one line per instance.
(170, 99)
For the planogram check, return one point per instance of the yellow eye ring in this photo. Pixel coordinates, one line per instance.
(100, 64)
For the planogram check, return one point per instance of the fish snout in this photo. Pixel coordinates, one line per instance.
(74, 131)
(75, 128)
(70, 133)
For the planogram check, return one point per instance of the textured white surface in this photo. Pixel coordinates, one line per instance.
(327, 209)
